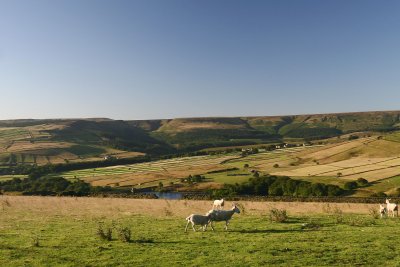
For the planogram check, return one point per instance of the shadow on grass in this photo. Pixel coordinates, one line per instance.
(271, 231)
(293, 220)
(152, 241)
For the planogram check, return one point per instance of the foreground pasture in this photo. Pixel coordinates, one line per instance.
(66, 231)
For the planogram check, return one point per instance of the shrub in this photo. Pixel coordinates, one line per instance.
(374, 213)
(104, 234)
(353, 137)
(350, 185)
(338, 215)
(277, 215)
(276, 165)
(124, 234)
(362, 182)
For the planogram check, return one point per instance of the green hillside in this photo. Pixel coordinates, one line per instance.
(58, 141)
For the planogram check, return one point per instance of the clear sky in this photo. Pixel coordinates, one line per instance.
(164, 59)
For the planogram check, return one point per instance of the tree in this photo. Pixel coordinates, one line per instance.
(350, 185)
(160, 185)
(362, 182)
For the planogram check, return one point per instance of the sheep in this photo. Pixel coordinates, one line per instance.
(197, 219)
(382, 210)
(222, 215)
(218, 204)
(392, 207)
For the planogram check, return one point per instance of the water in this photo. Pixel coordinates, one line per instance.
(167, 195)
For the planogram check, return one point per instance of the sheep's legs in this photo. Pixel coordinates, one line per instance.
(226, 225)
(211, 225)
(193, 227)
(187, 226)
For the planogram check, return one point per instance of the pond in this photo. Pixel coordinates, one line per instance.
(166, 195)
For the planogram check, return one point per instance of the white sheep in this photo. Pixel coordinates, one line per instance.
(382, 210)
(392, 207)
(218, 204)
(197, 219)
(222, 215)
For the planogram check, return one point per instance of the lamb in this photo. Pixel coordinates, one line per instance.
(218, 204)
(392, 207)
(382, 210)
(222, 215)
(197, 219)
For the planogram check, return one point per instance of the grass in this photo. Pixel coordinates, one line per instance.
(394, 137)
(230, 177)
(367, 157)
(45, 143)
(385, 185)
(150, 173)
(68, 237)
(323, 179)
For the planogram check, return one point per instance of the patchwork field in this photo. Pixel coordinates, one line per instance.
(36, 145)
(370, 158)
(55, 231)
(149, 174)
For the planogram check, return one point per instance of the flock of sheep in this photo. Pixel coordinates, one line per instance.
(217, 214)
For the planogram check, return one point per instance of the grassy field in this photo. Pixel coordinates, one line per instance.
(373, 159)
(150, 173)
(55, 231)
(335, 163)
(42, 144)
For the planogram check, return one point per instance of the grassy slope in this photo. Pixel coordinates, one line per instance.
(152, 136)
(196, 133)
(67, 237)
(72, 140)
(376, 162)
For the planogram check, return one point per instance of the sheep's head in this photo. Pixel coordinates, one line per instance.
(388, 200)
(235, 208)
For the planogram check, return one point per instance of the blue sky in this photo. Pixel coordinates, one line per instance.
(164, 59)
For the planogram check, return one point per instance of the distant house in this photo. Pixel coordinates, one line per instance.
(109, 157)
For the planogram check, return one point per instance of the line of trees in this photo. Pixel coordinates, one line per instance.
(278, 186)
(51, 186)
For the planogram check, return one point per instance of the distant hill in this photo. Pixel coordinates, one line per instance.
(194, 133)
(67, 140)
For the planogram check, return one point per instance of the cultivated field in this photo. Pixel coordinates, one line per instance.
(370, 158)
(54, 231)
(374, 159)
(150, 173)
(35, 145)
